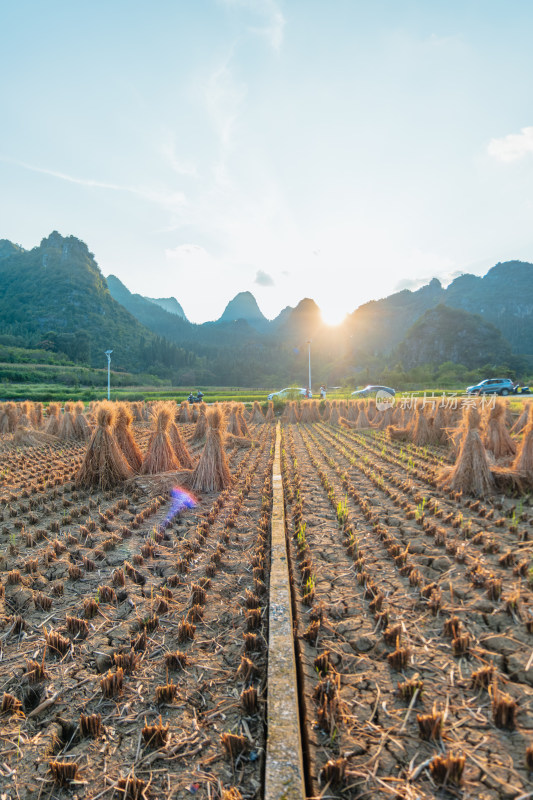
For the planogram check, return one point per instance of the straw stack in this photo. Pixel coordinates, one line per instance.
(103, 466)
(160, 456)
(125, 438)
(212, 472)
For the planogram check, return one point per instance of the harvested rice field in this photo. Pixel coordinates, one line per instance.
(135, 552)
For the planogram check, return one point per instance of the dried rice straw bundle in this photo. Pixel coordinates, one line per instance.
(52, 426)
(160, 456)
(397, 415)
(521, 422)
(125, 438)
(37, 415)
(362, 420)
(234, 426)
(212, 472)
(242, 421)
(8, 418)
(315, 410)
(137, 411)
(334, 416)
(292, 413)
(496, 437)
(179, 447)
(326, 413)
(383, 419)
(183, 413)
(270, 416)
(257, 417)
(28, 437)
(509, 419)
(194, 414)
(4, 421)
(471, 473)
(67, 431)
(353, 411)
(439, 425)
(371, 410)
(81, 426)
(457, 434)
(239, 441)
(24, 419)
(422, 434)
(103, 466)
(200, 431)
(523, 462)
(347, 423)
(397, 433)
(306, 415)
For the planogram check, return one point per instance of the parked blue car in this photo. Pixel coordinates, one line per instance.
(501, 386)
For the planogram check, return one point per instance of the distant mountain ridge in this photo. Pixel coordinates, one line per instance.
(244, 306)
(169, 304)
(444, 334)
(54, 296)
(504, 297)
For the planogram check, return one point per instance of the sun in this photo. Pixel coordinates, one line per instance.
(333, 316)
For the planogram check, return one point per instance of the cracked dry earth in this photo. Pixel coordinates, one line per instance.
(414, 622)
(133, 646)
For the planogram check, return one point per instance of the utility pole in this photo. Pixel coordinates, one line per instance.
(108, 354)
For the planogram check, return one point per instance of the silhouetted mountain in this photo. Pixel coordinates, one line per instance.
(244, 306)
(169, 304)
(282, 316)
(451, 334)
(504, 296)
(56, 297)
(150, 313)
(380, 325)
(300, 323)
(8, 249)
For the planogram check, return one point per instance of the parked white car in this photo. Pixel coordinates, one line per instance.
(291, 392)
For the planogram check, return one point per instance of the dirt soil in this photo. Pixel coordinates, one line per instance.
(129, 636)
(415, 622)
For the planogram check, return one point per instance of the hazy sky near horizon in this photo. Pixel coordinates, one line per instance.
(333, 149)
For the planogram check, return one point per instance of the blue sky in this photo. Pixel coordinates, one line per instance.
(332, 149)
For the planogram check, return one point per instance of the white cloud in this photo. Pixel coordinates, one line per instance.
(180, 166)
(262, 278)
(513, 146)
(171, 201)
(187, 251)
(274, 22)
(223, 97)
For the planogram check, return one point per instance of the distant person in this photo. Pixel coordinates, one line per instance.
(322, 392)
(200, 395)
(308, 393)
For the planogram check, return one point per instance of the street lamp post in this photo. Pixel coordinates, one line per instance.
(309, 343)
(108, 354)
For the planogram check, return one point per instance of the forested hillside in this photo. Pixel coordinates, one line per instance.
(54, 299)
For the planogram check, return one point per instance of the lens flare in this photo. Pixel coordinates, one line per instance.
(180, 500)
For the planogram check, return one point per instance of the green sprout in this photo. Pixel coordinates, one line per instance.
(342, 511)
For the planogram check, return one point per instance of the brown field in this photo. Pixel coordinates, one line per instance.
(134, 645)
